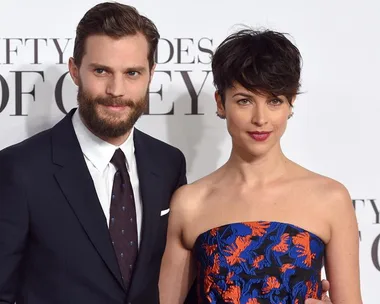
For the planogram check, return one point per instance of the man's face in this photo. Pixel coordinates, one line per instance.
(113, 83)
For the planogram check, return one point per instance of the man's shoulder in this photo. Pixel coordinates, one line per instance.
(29, 149)
(38, 146)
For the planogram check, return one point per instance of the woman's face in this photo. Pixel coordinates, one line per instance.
(256, 122)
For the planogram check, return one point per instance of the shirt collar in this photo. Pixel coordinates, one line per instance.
(98, 151)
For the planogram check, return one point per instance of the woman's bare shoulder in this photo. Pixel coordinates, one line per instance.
(327, 191)
(188, 197)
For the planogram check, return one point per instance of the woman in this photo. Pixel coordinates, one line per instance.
(260, 228)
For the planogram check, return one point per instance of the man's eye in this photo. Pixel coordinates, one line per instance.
(99, 71)
(132, 73)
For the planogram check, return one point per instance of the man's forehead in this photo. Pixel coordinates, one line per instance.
(109, 51)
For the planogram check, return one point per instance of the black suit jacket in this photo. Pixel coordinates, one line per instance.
(54, 241)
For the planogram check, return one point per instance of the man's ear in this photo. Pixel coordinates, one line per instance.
(74, 71)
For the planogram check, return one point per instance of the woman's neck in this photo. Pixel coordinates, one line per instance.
(257, 169)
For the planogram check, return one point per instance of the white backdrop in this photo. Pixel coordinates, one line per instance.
(336, 120)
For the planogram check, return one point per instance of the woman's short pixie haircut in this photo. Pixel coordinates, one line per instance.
(264, 62)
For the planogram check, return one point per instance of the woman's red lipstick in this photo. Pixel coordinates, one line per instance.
(259, 136)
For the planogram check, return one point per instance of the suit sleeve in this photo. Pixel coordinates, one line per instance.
(182, 180)
(14, 222)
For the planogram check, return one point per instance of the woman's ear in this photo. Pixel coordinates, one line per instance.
(220, 110)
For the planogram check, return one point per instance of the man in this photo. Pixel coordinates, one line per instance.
(84, 205)
(69, 231)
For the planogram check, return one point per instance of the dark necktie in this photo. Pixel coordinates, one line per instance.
(122, 226)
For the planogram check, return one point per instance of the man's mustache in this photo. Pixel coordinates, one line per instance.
(115, 102)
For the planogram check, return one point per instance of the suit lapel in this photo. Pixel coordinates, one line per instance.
(149, 188)
(77, 185)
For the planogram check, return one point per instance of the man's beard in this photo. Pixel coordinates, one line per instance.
(109, 127)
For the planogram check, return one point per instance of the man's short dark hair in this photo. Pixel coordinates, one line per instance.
(115, 20)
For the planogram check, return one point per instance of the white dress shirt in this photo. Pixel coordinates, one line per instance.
(97, 154)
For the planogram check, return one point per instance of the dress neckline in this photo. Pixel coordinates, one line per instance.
(261, 221)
